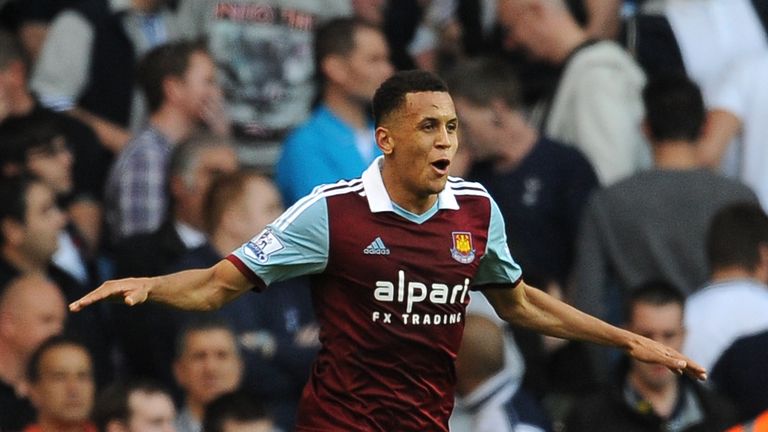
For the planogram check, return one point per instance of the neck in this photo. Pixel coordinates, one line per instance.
(346, 108)
(662, 399)
(23, 263)
(675, 155)
(398, 193)
(196, 409)
(720, 274)
(514, 151)
(567, 40)
(172, 123)
(53, 425)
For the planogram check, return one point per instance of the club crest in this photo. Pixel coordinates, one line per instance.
(462, 251)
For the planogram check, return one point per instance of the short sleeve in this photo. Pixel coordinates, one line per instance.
(497, 265)
(295, 244)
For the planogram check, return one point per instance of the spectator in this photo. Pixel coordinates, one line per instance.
(740, 374)
(138, 406)
(264, 52)
(180, 84)
(488, 399)
(193, 166)
(645, 397)
(207, 365)
(653, 224)
(31, 224)
(337, 141)
(24, 114)
(237, 411)
(733, 302)
(88, 62)
(276, 329)
(596, 106)
(32, 309)
(738, 107)
(537, 183)
(61, 386)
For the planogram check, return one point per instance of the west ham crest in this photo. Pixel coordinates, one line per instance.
(462, 250)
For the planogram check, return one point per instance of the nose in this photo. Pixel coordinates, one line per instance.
(443, 139)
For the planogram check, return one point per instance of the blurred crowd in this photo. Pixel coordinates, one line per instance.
(623, 140)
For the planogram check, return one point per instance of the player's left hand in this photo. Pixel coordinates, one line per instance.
(650, 351)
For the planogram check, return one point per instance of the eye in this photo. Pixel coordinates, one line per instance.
(452, 126)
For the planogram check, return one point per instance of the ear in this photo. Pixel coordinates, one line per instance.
(13, 231)
(179, 373)
(334, 68)
(384, 140)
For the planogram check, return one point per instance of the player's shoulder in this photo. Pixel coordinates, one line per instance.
(460, 187)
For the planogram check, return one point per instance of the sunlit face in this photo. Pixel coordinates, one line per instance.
(368, 65)
(523, 26)
(663, 324)
(260, 205)
(52, 163)
(65, 390)
(44, 222)
(422, 138)
(151, 412)
(209, 366)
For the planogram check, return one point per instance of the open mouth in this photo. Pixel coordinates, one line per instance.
(441, 165)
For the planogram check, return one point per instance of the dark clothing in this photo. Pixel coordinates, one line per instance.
(610, 410)
(15, 412)
(545, 194)
(741, 375)
(279, 312)
(109, 90)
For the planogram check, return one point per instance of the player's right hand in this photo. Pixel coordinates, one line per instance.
(132, 291)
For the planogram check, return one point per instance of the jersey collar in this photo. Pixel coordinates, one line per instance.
(378, 198)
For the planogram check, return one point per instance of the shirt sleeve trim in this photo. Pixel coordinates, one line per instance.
(511, 285)
(258, 283)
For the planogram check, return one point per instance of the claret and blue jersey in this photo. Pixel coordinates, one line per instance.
(390, 292)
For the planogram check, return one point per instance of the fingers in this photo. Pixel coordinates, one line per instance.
(108, 289)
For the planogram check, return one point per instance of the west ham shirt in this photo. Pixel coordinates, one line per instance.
(390, 289)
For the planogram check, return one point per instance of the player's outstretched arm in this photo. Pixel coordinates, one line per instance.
(203, 289)
(532, 308)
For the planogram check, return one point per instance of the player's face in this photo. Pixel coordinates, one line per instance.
(663, 324)
(422, 140)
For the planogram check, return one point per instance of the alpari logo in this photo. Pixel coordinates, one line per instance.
(376, 248)
(411, 293)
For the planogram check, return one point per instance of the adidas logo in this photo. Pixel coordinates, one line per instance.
(376, 248)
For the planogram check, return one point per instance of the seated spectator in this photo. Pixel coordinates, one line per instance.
(276, 329)
(138, 406)
(32, 309)
(596, 106)
(337, 141)
(538, 183)
(179, 82)
(61, 386)
(25, 114)
(30, 227)
(646, 397)
(237, 412)
(487, 398)
(733, 302)
(740, 374)
(87, 65)
(193, 165)
(208, 364)
(653, 224)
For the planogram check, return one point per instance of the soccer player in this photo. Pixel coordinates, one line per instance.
(393, 255)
